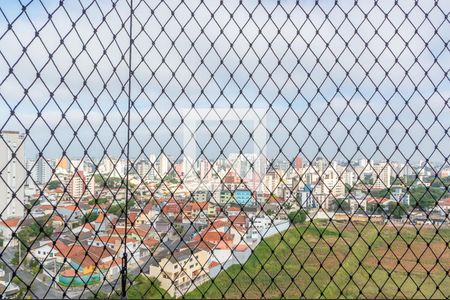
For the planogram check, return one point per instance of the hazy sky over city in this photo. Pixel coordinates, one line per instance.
(331, 79)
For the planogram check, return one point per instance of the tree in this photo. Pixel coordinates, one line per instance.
(118, 209)
(53, 185)
(396, 210)
(90, 217)
(98, 201)
(111, 182)
(297, 217)
(383, 193)
(22, 292)
(145, 288)
(348, 188)
(15, 260)
(341, 205)
(34, 232)
(440, 182)
(287, 205)
(35, 266)
(374, 208)
(426, 197)
(179, 229)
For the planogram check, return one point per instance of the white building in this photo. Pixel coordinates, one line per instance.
(206, 171)
(42, 171)
(333, 182)
(400, 196)
(14, 174)
(349, 177)
(76, 165)
(80, 185)
(113, 167)
(164, 165)
(382, 176)
(143, 169)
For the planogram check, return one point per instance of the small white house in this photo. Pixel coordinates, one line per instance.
(44, 252)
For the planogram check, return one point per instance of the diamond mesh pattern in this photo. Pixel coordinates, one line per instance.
(224, 149)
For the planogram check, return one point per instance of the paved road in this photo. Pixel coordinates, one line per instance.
(39, 289)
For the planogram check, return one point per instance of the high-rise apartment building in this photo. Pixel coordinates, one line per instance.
(43, 171)
(298, 164)
(382, 176)
(80, 185)
(206, 171)
(13, 174)
(112, 167)
(142, 169)
(164, 165)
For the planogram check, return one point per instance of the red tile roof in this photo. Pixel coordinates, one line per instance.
(199, 205)
(89, 226)
(233, 208)
(214, 237)
(444, 202)
(132, 216)
(238, 220)
(57, 219)
(148, 207)
(69, 207)
(100, 218)
(172, 208)
(45, 207)
(151, 242)
(241, 248)
(12, 223)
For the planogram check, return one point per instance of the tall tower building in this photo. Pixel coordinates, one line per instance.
(164, 165)
(13, 175)
(298, 164)
(80, 186)
(188, 166)
(43, 171)
(143, 168)
(205, 171)
(382, 176)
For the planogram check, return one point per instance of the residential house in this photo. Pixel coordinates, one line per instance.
(70, 212)
(44, 251)
(7, 228)
(182, 271)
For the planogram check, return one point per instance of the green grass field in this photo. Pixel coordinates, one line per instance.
(312, 262)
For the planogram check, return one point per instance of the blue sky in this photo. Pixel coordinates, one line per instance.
(331, 68)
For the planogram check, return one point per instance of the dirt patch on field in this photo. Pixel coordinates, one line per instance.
(418, 257)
